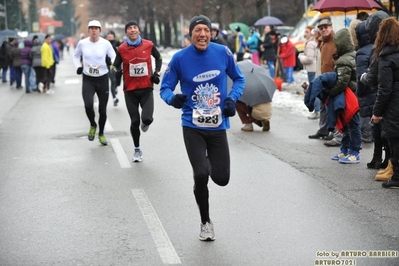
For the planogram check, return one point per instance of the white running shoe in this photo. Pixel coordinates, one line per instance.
(40, 87)
(314, 115)
(137, 156)
(207, 233)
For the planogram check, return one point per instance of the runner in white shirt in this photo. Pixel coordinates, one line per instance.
(90, 60)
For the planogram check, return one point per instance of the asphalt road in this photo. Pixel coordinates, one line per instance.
(67, 201)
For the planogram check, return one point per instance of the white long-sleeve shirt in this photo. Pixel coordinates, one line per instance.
(93, 56)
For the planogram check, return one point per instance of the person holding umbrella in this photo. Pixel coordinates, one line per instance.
(255, 104)
(269, 50)
(259, 114)
(206, 107)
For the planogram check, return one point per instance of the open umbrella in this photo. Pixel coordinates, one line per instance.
(244, 28)
(269, 20)
(9, 33)
(345, 5)
(259, 87)
(38, 34)
(59, 37)
(2, 40)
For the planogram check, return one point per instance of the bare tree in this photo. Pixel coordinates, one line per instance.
(165, 15)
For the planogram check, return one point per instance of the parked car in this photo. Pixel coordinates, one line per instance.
(284, 30)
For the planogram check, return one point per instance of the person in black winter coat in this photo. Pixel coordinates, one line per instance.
(215, 35)
(365, 94)
(386, 107)
(370, 78)
(115, 82)
(269, 51)
(4, 59)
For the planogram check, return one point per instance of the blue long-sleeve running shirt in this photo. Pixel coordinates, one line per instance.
(202, 77)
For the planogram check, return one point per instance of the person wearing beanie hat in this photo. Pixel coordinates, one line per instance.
(90, 59)
(138, 77)
(199, 19)
(206, 106)
(131, 23)
(240, 44)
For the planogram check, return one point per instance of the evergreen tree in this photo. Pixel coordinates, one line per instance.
(33, 15)
(65, 12)
(15, 16)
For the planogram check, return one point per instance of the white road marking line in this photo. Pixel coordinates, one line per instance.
(108, 126)
(120, 154)
(165, 248)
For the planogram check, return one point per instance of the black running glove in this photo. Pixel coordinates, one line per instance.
(114, 71)
(229, 107)
(79, 70)
(118, 74)
(155, 78)
(108, 60)
(178, 100)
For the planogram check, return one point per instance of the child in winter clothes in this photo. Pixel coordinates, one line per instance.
(345, 67)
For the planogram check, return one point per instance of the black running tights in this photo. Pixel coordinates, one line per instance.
(145, 99)
(209, 155)
(99, 86)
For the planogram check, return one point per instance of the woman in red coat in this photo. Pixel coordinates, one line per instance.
(288, 57)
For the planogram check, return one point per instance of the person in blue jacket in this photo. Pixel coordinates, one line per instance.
(252, 44)
(206, 107)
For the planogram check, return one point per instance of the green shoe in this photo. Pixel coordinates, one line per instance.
(92, 133)
(102, 140)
